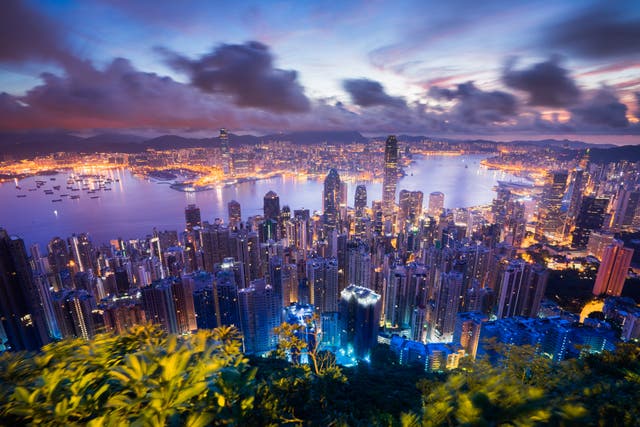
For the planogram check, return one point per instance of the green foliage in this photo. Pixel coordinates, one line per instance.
(142, 378)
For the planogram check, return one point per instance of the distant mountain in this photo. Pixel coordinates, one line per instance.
(318, 137)
(29, 144)
(630, 153)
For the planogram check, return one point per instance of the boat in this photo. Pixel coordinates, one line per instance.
(48, 191)
(56, 187)
(63, 195)
(74, 197)
(18, 187)
(52, 179)
(95, 197)
(21, 195)
(107, 189)
(56, 200)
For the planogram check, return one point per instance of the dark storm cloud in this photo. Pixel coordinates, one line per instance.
(637, 94)
(246, 72)
(475, 106)
(600, 32)
(26, 35)
(602, 110)
(368, 93)
(546, 83)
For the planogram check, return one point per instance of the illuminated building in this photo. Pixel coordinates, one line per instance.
(119, 317)
(235, 215)
(446, 306)
(359, 320)
(467, 331)
(169, 303)
(323, 283)
(390, 179)
(598, 242)
(550, 215)
(520, 289)
(227, 167)
(436, 204)
(226, 305)
(359, 264)
(331, 199)
(627, 211)
(82, 251)
(410, 208)
(613, 270)
(192, 217)
(59, 263)
(22, 304)
(590, 217)
(260, 313)
(360, 200)
(271, 206)
(74, 314)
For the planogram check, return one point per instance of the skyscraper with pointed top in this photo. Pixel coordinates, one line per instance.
(390, 179)
(227, 167)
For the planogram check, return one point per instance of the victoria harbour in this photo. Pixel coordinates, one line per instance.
(108, 216)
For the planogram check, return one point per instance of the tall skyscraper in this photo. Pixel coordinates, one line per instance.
(410, 208)
(521, 287)
(359, 320)
(227, 167)
(235, 215)
(390, 179)
(260, 313)
(436, 204)
(627, 211)
(360, 202)
(22, 304)
(331, 198)
(590, 217)
(613, 270)
(271, 206)
(192, 217)
(550, 216)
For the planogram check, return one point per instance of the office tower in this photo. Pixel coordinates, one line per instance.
(260, 313)
(59, 259)
(225, 154)
(598, 242)
(331, 198)
(360, 200)
(182, 293)
(359, 320)
(82, 251)
(120, 316)
(397, 308)
(323, 283)
(22, 304)
(235, 215)
(342, 200)
(550, 215)
(74, 313)
(446, 306)
(410, 208)
(378, 216)
(390, 179)
(169, 303)
(466, 333)
(216, 244)
(358, 264)
(271, 206)
(500, 203)
(226, 306)
(613, 270)
(520, 289)
(192, 217)
(590, 217)
(627, 211)
(575, 199)
(436, 204)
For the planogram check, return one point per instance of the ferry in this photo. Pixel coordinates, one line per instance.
(74, 197)
(21, 195)
(56, 200)
(95, 197)
(56, 187)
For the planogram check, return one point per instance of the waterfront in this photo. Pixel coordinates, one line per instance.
(134, 205)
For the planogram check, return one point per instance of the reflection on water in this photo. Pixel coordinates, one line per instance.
(134, 206)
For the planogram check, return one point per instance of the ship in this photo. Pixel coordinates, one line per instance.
(21, 195)
(56, 200)
(95, 197)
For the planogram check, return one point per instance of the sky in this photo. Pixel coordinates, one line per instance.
(457, 68)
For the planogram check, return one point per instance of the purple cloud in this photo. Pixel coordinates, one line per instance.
(546, 83)
(602, 110)
(245, 72)
(368, 93)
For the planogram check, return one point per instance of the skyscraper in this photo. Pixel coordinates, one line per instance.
(331, 198)
(21, 303)
(271, 206)
(613, 270)
(235, 215)
(260, 313)
(360, 202)
(227, 167)
(410, 208)
(590, 217)
(550, 215)
(436, 204)
(359, 319)
(390, 179)
(192, 217)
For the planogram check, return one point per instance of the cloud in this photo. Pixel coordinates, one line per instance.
(477, 107)
(245, 72)
(598, 32)
(368, 93)
(26, 35)
(546, 83)
(602, 110)
(637, 94)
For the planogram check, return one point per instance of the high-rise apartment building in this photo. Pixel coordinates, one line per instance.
(613, 270)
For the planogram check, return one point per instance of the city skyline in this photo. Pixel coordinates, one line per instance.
(498, 70)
